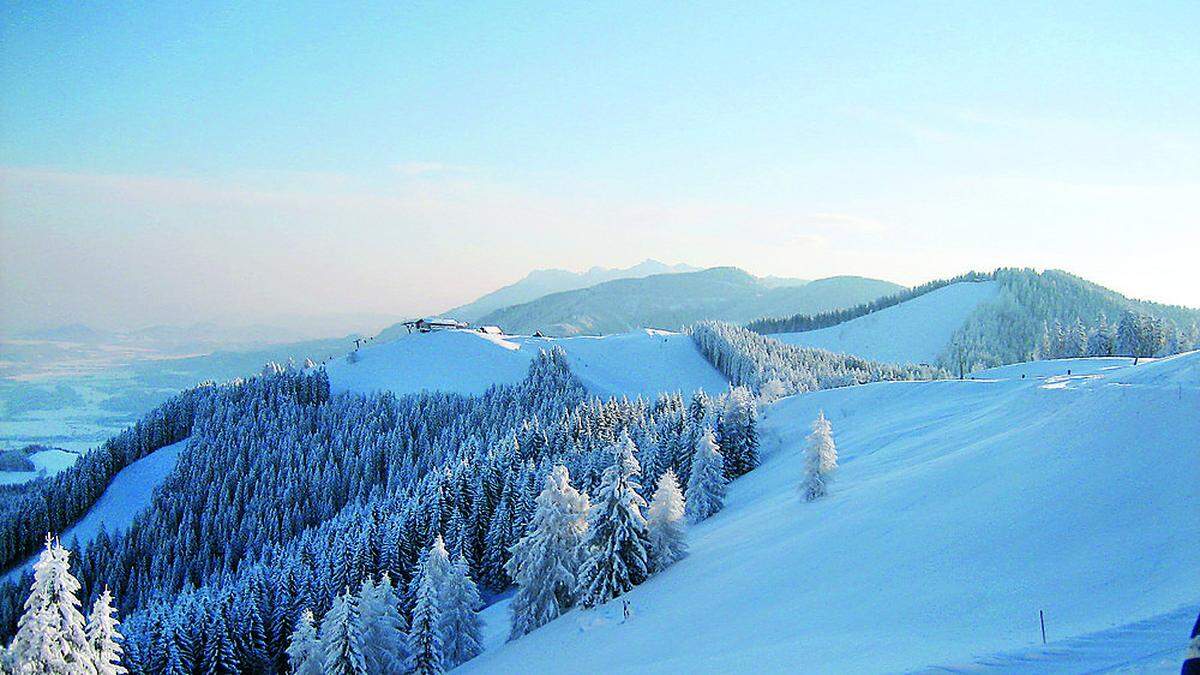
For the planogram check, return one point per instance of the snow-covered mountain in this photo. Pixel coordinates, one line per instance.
(544, 282)
(949, 526)
(960, 510)
(676, 300)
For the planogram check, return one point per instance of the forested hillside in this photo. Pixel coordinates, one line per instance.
(675, 301)
(284, 495)
(1032, 315)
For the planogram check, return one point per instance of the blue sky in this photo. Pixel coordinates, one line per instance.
(160, 163)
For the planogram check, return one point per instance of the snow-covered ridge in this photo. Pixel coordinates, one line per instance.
(631, 364)
(914, 331)
(960, 510)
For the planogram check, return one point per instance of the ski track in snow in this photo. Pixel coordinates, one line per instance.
(642, 363)
(915, 331)
(1149, 646)
(959, 510)
(127, 494)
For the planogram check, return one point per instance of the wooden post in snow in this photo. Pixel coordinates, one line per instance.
(1042, 618)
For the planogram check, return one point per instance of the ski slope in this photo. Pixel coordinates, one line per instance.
(915, 331)
(960, 509)
(127, 494)
(630, 364)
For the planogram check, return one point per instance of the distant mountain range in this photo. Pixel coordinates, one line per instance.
(544, 282)
(672, 301)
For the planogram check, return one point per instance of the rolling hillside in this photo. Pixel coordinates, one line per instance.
(916, 331)
(677, 300)
(641, 363)
(983, 320)
(923, 556)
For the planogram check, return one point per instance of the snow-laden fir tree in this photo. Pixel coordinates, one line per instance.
(665, 524)
(220, 657)
(616, 551)
(425, 633)
(342, 637)
(461, 627)
(384, 640)
(1079, 339)
(52, 635)
(737, 433)
(104, 636)
(820, 459)
(706, 487)
(1101, 342)
(545, 562)
(305, 656)
(175, 662)
(1127, 340)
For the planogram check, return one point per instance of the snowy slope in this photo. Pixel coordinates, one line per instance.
(466, 362)
(961, 508)
(915, 331)
(127, 495)
(639, 363)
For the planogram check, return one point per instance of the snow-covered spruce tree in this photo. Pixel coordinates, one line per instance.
(665, 525)
(384, 641)
(616, 549)
(737, 433)
(1100, 343)
(219, 656)
(820, 459)
(104, 636)
(1079, 338)
(304, 651)
(706, 488)
(1127, 341)
(342, 637)
(497, 542)
(461, 627)
(425, 633)
(51, 634)
(545, 562)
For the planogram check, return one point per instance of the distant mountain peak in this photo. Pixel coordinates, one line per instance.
(544, 281)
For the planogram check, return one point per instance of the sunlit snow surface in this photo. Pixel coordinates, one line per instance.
(960, 510)
(915, 331)
(640, 363)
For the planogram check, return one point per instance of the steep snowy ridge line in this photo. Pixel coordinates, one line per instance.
(960, 509)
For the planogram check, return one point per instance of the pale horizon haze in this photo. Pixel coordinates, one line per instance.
(178, 163)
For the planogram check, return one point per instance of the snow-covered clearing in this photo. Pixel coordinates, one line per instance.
(960, 510)
(48, 463)
(640, 363)
(128, 493)
(915, 331)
